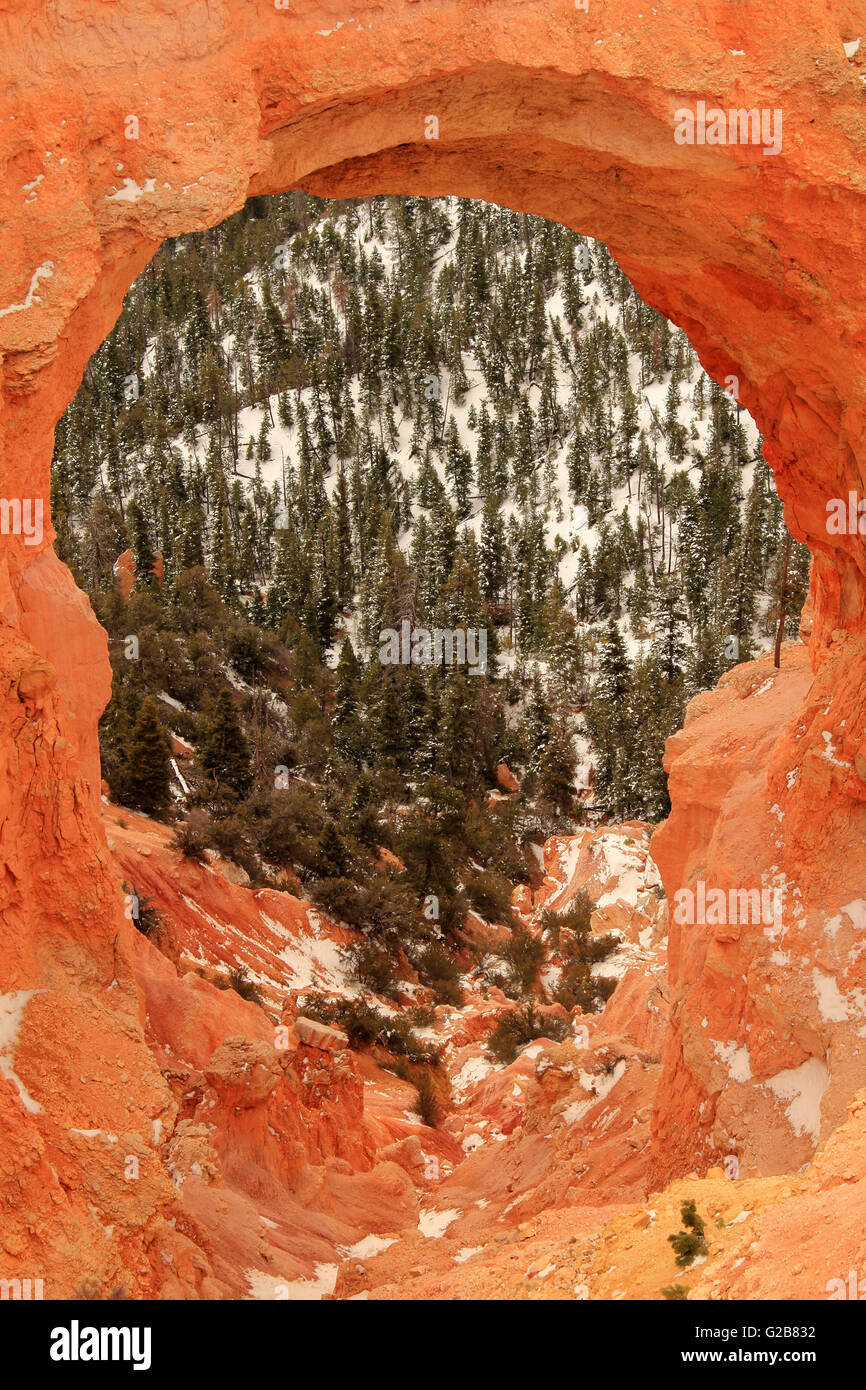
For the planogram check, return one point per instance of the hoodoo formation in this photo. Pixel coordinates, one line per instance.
(121, 126)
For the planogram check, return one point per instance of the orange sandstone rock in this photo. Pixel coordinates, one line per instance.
(555, 111)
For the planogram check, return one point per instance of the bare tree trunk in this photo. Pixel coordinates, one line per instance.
(649, 534)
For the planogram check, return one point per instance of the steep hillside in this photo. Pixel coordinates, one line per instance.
(357, 414)
(299, 1153)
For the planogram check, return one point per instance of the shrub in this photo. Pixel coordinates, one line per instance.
(421, 1016)
(190, 840)
(339, 897)
(398, 1037)
(577, 988)
(246, 651)
(524, 954)
(374, 967)
(490, 895)
(519, 1027)
(238, 980)
(227, 837)
(691, 1242)
(569, 933)
(390, 912)
(386, 912)
(576, 918)
(145, 916)
(284, 825)
(427, 1101)
(600, 947)
(605, 986)
(676, 1291)
(358, 1021)
(438, 969)
(334, 858)
(367, 1026)
(90, 1291)
(427, 1105)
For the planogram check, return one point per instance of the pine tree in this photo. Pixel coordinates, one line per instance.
(345, 720)
(222, 748)
(614, 672)
(142, 547)
(491, 557)
(555, 780)
(333, 859)
(340, 544)
(669, 621)
(609, 724)
(258, 613)
(386, 718)
(146, 777)
(458, 467)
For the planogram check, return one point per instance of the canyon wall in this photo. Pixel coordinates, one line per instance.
(768, 1034)
(120, 126)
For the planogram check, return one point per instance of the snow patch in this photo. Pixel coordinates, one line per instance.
(12, 1007)
(131, 191)
(434, 1224)
(42, 272)
(466, 1253)
(269, 1286)
(803, 1087)
(831, 1002)
(736, 1059)
(369, 1246)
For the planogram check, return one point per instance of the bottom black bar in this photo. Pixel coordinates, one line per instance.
(237, 1340)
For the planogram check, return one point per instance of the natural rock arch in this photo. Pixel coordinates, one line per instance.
(543, 107)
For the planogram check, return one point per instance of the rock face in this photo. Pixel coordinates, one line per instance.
(319, 1035)
(124, 571)
(798, 1237)
(137, 123)
(769, 1015)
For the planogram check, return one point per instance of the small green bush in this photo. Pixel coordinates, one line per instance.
(238, 980)
(575, 918)
(524, 954)
(367, 1026)
(490, 895)
(340, 898)
(374, 967)
(519, 1027)
(438, 969)
(190, 841)
(427, 1105)
(690, 1243)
